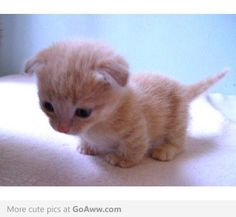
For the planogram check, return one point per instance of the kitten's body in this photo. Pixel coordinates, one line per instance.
(128, 116)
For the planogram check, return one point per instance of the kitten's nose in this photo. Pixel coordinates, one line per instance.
(63, 128)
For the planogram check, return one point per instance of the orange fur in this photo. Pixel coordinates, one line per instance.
(127, 116)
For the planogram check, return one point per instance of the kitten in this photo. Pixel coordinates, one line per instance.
(84, 89)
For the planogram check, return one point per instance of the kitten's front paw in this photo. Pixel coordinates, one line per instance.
(117, 160)
(165, 152)
(87, 150)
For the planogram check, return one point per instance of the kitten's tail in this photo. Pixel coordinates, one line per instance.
(196, 89)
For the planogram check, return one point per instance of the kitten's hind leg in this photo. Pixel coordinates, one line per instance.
(175, 138)
(85, 148)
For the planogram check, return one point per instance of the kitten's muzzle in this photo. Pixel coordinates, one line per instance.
(63, 128)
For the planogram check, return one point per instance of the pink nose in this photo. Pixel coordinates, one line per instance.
(63, 129)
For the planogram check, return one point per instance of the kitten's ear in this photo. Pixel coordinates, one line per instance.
(33, 65)
(117, 68)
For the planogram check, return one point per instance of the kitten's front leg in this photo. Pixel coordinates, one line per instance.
(166, 151)
(130, 153)
(85, 148)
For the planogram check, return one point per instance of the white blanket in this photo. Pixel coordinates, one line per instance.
(31, 153)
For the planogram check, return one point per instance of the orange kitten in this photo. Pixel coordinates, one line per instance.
(84, 89)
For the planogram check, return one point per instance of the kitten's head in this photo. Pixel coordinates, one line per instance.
(79, 83)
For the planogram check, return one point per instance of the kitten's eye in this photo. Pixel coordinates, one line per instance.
(83, 112)
(48, 106)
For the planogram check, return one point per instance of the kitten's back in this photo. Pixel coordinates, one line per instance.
(163, 99)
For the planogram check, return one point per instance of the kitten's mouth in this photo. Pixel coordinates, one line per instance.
(63, 129)
(67, 128)
(68, 131)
